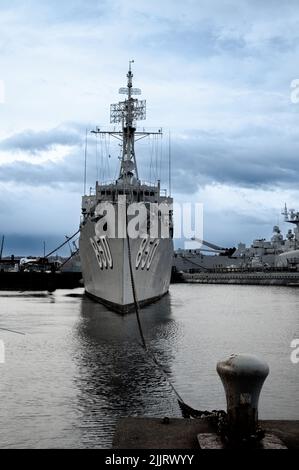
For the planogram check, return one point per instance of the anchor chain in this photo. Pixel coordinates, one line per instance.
(219, 420)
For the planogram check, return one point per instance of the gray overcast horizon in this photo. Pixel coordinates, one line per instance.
(217, 74)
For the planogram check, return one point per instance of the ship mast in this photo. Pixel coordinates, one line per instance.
(292, 217)
(127, 112)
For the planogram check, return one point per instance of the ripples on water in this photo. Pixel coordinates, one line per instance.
(80, 367)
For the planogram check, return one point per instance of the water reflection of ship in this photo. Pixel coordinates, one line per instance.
(115, 377)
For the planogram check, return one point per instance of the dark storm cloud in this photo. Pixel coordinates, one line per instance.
(255, 158)
(264, 160)
(46, 174)
(67, 170)
(36, 141)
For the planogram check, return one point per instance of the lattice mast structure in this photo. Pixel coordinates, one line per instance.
(128, 112)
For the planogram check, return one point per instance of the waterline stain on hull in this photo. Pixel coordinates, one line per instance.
(129, 308)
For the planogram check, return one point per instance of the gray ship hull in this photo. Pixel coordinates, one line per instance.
(106, 268)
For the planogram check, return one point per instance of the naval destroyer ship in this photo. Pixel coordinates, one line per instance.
(266, 262)
(123, 261)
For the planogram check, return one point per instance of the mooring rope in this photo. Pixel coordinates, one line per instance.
(62, 244)
(12, 331)
(69, 258)
(137, 311)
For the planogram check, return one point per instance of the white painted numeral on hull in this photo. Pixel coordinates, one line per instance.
(146, 252)
(102, 251)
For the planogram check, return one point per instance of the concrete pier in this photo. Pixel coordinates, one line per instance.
(242, 376)
(179, 433)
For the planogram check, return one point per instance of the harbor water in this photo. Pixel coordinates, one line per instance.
(79, 367)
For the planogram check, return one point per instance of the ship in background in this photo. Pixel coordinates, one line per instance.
(110, 260)
(277, 253)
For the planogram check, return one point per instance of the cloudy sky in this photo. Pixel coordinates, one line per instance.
(217, 74)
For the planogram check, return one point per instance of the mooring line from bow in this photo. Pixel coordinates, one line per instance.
(144, 344)
(12, 331)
